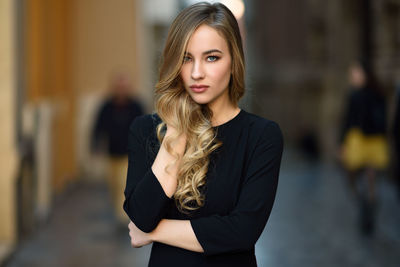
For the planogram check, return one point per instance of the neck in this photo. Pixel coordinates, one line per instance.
(223, 112)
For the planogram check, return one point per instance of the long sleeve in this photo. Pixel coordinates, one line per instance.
(145, 200)
(241, 228)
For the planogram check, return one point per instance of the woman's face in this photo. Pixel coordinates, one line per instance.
(206, 69)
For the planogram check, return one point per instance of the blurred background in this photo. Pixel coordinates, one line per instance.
(67, 67)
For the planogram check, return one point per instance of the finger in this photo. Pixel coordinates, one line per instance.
(133, 244)
(136, 246)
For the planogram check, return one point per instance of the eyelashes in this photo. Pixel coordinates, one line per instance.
(186, 59)
(210, 58)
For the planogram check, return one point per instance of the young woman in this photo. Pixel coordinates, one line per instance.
(202, 172)
(364, 144)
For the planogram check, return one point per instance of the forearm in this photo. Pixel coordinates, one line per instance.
(178, 233)
(165, 166)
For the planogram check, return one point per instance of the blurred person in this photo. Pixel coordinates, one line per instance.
(364, 144)
(110, 136)
(202, 173)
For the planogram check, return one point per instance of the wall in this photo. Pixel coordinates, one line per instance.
(7, 130)
(106, 37)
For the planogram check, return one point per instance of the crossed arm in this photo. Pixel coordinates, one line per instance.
(178, 233)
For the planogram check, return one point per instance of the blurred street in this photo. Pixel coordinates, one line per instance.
(313, 223)
(74, 75)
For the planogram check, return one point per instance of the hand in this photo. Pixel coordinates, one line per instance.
(171, 130)
(138, 237)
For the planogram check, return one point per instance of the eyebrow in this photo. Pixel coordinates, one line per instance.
(207, 52)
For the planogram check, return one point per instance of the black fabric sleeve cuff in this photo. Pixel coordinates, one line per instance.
(200, 232)
(148, 203)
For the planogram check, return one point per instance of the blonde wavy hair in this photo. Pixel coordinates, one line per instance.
(176, 108)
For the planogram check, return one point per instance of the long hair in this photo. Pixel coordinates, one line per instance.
(176, 107)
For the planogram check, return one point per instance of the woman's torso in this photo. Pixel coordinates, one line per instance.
(225, 176)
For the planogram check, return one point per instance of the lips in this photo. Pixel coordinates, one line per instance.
(199, 88)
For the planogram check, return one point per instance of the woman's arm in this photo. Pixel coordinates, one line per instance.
(240, 229)
(168, 180)
(149, 188)
(177, 233)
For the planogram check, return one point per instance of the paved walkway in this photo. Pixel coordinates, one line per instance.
(313, 224)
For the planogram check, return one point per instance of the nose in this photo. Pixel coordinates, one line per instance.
(197, 71)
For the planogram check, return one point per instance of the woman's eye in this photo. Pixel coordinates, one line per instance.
(212, 58)
(186, 59)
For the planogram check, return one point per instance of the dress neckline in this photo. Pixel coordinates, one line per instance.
(241, 112)
(231, 120)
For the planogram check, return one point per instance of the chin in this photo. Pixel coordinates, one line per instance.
(201, 100)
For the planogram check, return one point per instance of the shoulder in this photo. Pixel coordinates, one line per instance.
(135, 103)
(144, 125)
(358, 95)
(105, 105)
(263, 126)
(263, 131)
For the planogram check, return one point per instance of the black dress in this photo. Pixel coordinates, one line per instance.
(239, 194)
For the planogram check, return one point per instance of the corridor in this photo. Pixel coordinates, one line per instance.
(313, 223)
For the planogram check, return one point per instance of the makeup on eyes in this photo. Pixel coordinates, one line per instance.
(213, 56)
(208, 53)
(187, 58)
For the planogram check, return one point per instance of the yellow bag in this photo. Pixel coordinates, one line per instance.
(365, 150)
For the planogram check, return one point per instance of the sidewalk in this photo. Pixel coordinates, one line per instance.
(5, 253)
